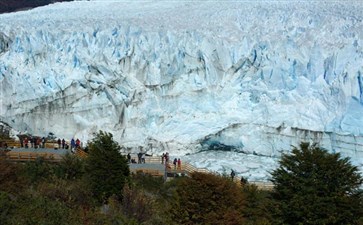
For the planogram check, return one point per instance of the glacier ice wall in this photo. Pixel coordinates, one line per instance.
(250, 77)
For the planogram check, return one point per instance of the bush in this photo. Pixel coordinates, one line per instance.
(147, 182)
(6, 206)
(10, 178)
(206, 199)
(38, 170)
(32, 208)
(106, 168)
(257, 205)
(313, 186)
(136, 205)
(71, 167)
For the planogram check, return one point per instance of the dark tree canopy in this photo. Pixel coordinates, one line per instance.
(107, 169)
(313, 186)
(207, 199)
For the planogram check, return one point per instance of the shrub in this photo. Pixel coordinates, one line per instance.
(32, 208)
(38, 170)
(257, 205)
(71, 167)
(206, 199)
(10, 178)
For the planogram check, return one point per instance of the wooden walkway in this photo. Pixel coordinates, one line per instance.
(153, 164)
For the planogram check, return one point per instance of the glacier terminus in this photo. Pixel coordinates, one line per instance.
(224, 84)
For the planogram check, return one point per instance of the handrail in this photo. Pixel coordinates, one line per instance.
(81, 153)
(32, 156)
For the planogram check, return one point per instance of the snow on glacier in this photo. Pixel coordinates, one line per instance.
(250, 78)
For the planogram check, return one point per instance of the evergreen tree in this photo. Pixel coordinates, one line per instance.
(313, 186)
(107, 169)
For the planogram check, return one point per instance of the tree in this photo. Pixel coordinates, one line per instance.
(107, 169)
(207, 199)
(71, 167)
(313, 186)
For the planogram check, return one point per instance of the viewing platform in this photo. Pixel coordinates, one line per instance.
(153, 165)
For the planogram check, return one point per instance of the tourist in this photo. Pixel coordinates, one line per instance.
(39, 142)
(232, 174)
(162, 158)
(43, 142)
(128, 158)
(63, 143)
(78, 143)
(31, 142)
(179, 164)
(26, 142)
(34, 142)
(73, 144)
(59, 143)
(175, 162)
(139, 155)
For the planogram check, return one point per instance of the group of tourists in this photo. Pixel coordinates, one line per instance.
(35, 142)
(177, 162)
(38, 142)
(164, 160)
(62, 144)
(140, 158)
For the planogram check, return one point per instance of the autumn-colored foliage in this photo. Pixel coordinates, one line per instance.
(207, 199)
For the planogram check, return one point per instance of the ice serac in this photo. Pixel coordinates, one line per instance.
(248, 78)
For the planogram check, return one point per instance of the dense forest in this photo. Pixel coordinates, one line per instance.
(311, 186)
(16, 5)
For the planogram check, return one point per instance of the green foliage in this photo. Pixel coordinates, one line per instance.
(10, 178)
(206, 199)
(147, 182)
(106, 168)
(136, 205)
(313, 186)
(32, 208)
(74, 194)
(38, 170)
(257, 211)
(6, 206)
(71, 167)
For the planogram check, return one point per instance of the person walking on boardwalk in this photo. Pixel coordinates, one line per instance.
(43, 142)
(73, 145)
(78, 143)
(63, 143)
(59, 143)
(179, 164)
(34, 142)
(175, 162)
(162, 158)
(128, 158)
(26, 142)
(39, 142)
(31, 142)
(232, 174)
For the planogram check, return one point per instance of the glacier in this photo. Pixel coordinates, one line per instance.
(224, 84)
